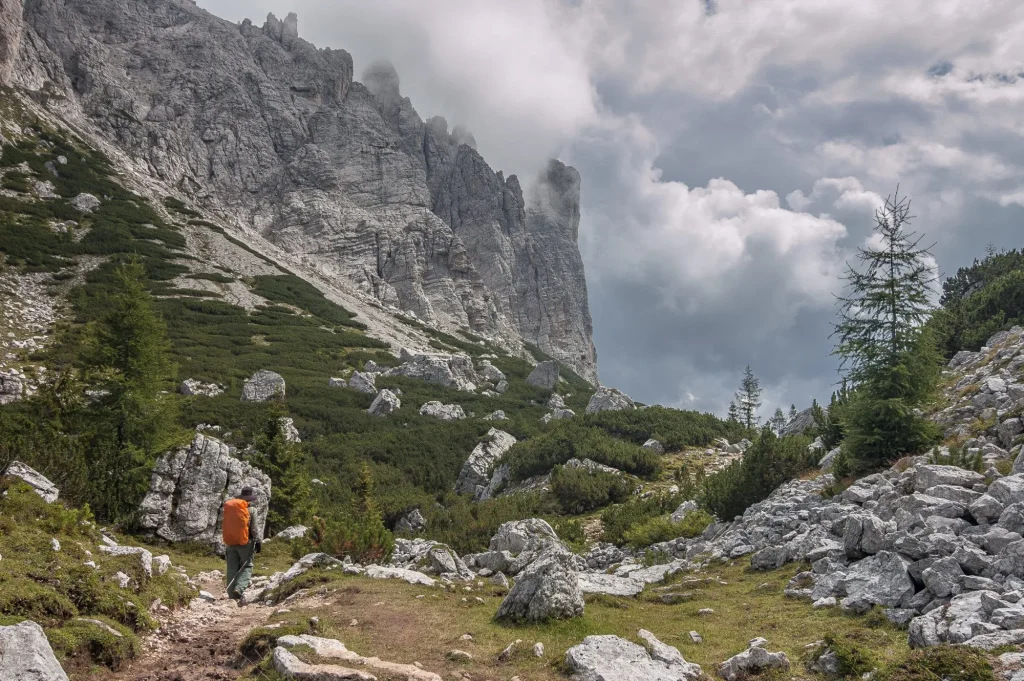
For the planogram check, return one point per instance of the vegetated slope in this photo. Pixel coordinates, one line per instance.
(276, 136)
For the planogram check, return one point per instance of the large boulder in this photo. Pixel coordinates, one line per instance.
(609, 399)
(476, 472)
(881, 579)
(610, 658)
(25, 654)
(363, 382)
(930, 476)
(544, 375)
(451, 371)
(11, 387)
(516, 535)
(546, 590)
(39, 483)
(189, 486)
(385, 404)
(443, 412)
(262, 386)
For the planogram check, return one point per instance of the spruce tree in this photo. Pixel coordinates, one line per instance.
(793, 413)
(734, 412)
(133, 413)
(283, 462)
(777, 421)
(748, 399)
(886, 355)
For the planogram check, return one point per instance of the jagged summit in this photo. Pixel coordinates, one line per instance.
(274, 135)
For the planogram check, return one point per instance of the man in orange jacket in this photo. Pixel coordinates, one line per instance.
(241, 540)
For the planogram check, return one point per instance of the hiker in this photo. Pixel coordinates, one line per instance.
(241, 539)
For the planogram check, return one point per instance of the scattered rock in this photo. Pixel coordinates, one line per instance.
(444, 412)
(610, 658)
(544, 375)
(191, 386)
(609, 399)
(293, 532)
(385, 403)
(655, 446)
(262, 386)
(85, 203)
(753, 660)
(40, 484)
(363, 382)
(475, 474)
(335, 382)
(412, 523)
(548, 589)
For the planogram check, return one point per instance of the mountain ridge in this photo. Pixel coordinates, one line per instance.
(275, 136)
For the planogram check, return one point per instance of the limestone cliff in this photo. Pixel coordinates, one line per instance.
(261, 127)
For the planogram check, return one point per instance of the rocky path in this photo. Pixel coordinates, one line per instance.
(197, 643)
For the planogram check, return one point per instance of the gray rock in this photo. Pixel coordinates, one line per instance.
(880, 579)
(291, 433)
(145, 557)
(10, 37)
(334, 382)
(753, 660)
(544, 375)
(293, 532)
(798, 424)
(488, 373)
(770, 558)
(364, 383)
(944, 578)
(451, 371)
(610, 658)
(25, 654)
(385, 404)
(548, 589)
(1008, 431)
(39, 483)
(609, 399)
(655, 446)
(497, 415)
(929, 476)
(684, 509)
(191, 386)
(85, 203)
(475, 474)
(12, 388)
(556, 401)
(412, 523)
(262, 386)
(516, 535)
(1008, 490)
(190, 484)
(597, 583)
(443, 412)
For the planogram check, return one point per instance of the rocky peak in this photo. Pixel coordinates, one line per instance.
(285, 32)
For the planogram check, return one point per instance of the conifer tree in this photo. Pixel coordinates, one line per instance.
(283, 462)
(793, 413)
(885, 353)
(734, 412)
(748, 399)
(777, 421)
(133, 412)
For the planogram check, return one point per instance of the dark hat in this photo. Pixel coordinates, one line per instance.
(247, 494)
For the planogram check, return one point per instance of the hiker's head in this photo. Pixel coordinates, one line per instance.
(247, 494)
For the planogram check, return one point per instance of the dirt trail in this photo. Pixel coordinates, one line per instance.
(197, 643)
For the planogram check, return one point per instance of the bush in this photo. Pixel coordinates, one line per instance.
(579, 490)
(675, 428)
(569, 439)
(619, 520)
(662, 529)
(853, 661)
(949, 663)
(767, 463)
(467, 526)
(95, 641)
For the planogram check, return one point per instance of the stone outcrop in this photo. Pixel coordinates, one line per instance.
(363, 382)
(517, 535)
(189, 486)
(25, 654)
(37, 481)
(191, 386)
(385, 404)
(548, 589)
(411, 523)
(610, 658)
(609, 399)
(258, 124)
(753, 660)
(262, 386)
(544, 375)
(476, 472)
(451, 371)
(12, 388)
(10, 37)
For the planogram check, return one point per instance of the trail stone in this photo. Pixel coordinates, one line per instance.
(332, 649)
(544, 375)
(25, 654)
(291, 667)
(39, 483)
(610, 658)
(262, 386)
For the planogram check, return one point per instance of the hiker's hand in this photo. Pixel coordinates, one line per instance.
(259, 546)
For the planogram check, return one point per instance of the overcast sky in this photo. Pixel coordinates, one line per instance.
(732, 152)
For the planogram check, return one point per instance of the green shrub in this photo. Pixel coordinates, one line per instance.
(619, 520)
(675, 428)
(767, 463)
(852, 660)
(958, 456)
(79, 637)
(948, 663)
(579, 490)
(662, 529)
(569, 439)
(32, 600)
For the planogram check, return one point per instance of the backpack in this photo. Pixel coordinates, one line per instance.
(236, 522)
